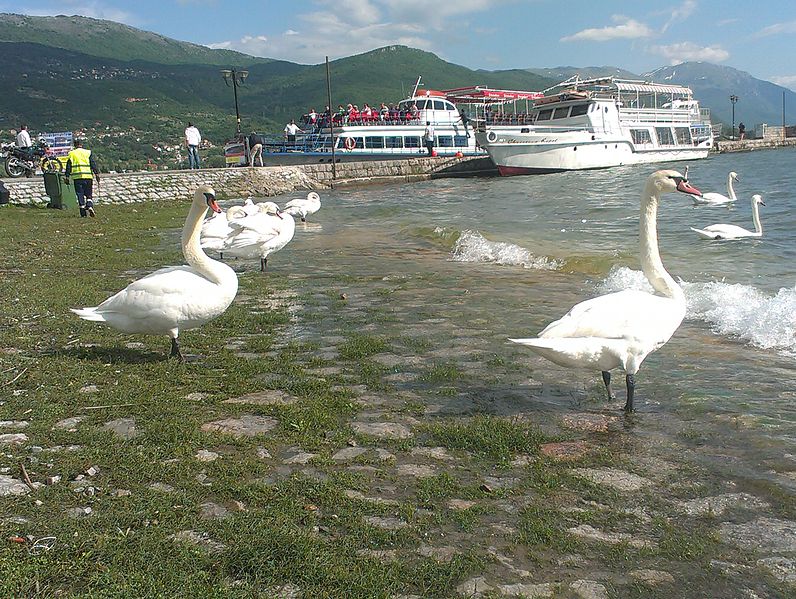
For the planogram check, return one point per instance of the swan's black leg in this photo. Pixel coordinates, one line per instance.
(631, 387)
(263, 263)
(221, 255)
(607, 381)
(175, 350)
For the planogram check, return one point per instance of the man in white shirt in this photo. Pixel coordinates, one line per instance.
(428, 137)
(23, 137)
(192, 139)
(290, 132)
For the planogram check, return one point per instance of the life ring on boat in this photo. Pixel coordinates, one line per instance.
(350, 143)
(491, 136)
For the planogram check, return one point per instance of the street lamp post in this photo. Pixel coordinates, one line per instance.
(733, 100)
(237, 78)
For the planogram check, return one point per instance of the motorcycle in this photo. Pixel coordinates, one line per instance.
(25, 161)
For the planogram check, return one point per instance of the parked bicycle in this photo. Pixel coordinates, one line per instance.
(25, 161)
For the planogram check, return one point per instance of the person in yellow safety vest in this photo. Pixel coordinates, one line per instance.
(80, 165)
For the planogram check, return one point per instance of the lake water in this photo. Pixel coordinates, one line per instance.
(471, 262)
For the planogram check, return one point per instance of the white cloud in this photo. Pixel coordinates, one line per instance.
(626, 28)
(689, 51)
(681, 13)
(777, 29)
(788, 81)
(339, 28)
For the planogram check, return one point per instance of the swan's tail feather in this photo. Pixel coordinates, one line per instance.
(88, 314)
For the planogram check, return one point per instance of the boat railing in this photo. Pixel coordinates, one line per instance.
(656, 115)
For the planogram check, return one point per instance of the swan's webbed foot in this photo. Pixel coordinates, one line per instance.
(607, 381)
(631, 388)
(175, 350)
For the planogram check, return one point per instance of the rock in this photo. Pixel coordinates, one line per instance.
(124, 428)
(501, 482)
(460, 504)
(584, 531)
(652, 577)
(13, 439)
(474, 587)
(79, 512)
(351, 494)
(591, 423)
(162, 487)
(13, 486)
(527, 591)
(721, 503)
(416, 470)
(440, 554)
(89, 389)
(437, 453)
(68, 424)
(765, 534)
(522, 460)
(382, 430)
(263, 453)
(213, 511)
(288, 591)
(264, 398)
(300, 457)
(201, 539)
(385, 522)
(196, 396)
(782, 568)
(614, 478)
(122, 493)
(566, 450)
(93, 471)
(14, 425)
(589, 589)
(205, 455)
(243, 426)
(349, 453)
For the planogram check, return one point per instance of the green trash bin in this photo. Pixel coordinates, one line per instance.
(62, 195)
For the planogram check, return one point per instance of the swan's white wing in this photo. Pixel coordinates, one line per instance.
(714, 198)
(725, 231)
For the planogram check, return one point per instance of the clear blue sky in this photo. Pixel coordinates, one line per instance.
(757, 37)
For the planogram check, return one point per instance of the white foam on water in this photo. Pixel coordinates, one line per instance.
(474, 247)
(733, 310)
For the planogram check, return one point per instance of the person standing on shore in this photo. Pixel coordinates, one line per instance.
(23, 138)
(428, 137)
(192, 140)
(255, 148)
(80, 165)
(742, 130)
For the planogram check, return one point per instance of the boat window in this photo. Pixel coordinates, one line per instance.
(439, 105)
(358, 143)
(665, 137)
(403, 105)
(460, 141)
(445, 141)
(579, 109)
(640, 136)
(374, 142)
(561, 113)
(545, 115)
(393, 142)
(421, 104)
(412, 142)
(683, 136)
(449, 106)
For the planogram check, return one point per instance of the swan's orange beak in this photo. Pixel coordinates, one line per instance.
(211, 202)
(686, 187)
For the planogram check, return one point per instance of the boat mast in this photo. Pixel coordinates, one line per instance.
(417, 84)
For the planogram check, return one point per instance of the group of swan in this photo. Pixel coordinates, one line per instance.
(724, 231)
(619, 330)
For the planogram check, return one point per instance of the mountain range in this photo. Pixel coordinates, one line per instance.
(135, 95)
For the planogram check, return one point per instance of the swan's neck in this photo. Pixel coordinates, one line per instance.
(730, 188)
(192, 249)
(756, 218)
(651, 262)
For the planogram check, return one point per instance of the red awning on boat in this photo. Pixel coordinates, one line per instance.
(480, 95)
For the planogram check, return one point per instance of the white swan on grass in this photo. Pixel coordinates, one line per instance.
(173, 298)
(722, 231)
(215, 228)
(261, 234)
(620, 329)
(717, 199)
(304, 207)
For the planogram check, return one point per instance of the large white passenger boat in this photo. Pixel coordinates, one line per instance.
(598, 123)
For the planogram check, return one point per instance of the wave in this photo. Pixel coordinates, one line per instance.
(471, 246)
(734, 310)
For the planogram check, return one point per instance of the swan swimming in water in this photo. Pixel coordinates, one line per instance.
(721, 231)
(304, 207)
(717, 199)
(619, 330)
(173, 298)
(261, 234)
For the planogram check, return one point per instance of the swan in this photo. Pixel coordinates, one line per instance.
(261, 234)
(173, 298)
(249, 207)
(304, 207)
(717, 199)
(215, 228)
(721, 231)
(619, 330)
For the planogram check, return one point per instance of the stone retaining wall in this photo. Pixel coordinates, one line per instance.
(242, 182)
(747, 145)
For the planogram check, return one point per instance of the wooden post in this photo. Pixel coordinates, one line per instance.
(331, 119)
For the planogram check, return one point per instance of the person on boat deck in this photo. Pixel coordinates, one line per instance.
(255, 148)
(367, 112)
(384, 112)
(312, 116)
(413, 111)
(393, 112)
(326, 117)
(353, 114)
(428, 137)
(290, 132)
(341, 113)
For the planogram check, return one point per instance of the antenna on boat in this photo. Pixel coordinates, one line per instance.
(417, 84)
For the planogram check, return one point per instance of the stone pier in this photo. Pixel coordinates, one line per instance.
(259, 182)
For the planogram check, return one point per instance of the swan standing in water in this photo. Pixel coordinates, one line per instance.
(619, 330)
(717, 199)
(304, 208)
(261, 234)
(721, 231)
(173, 298)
